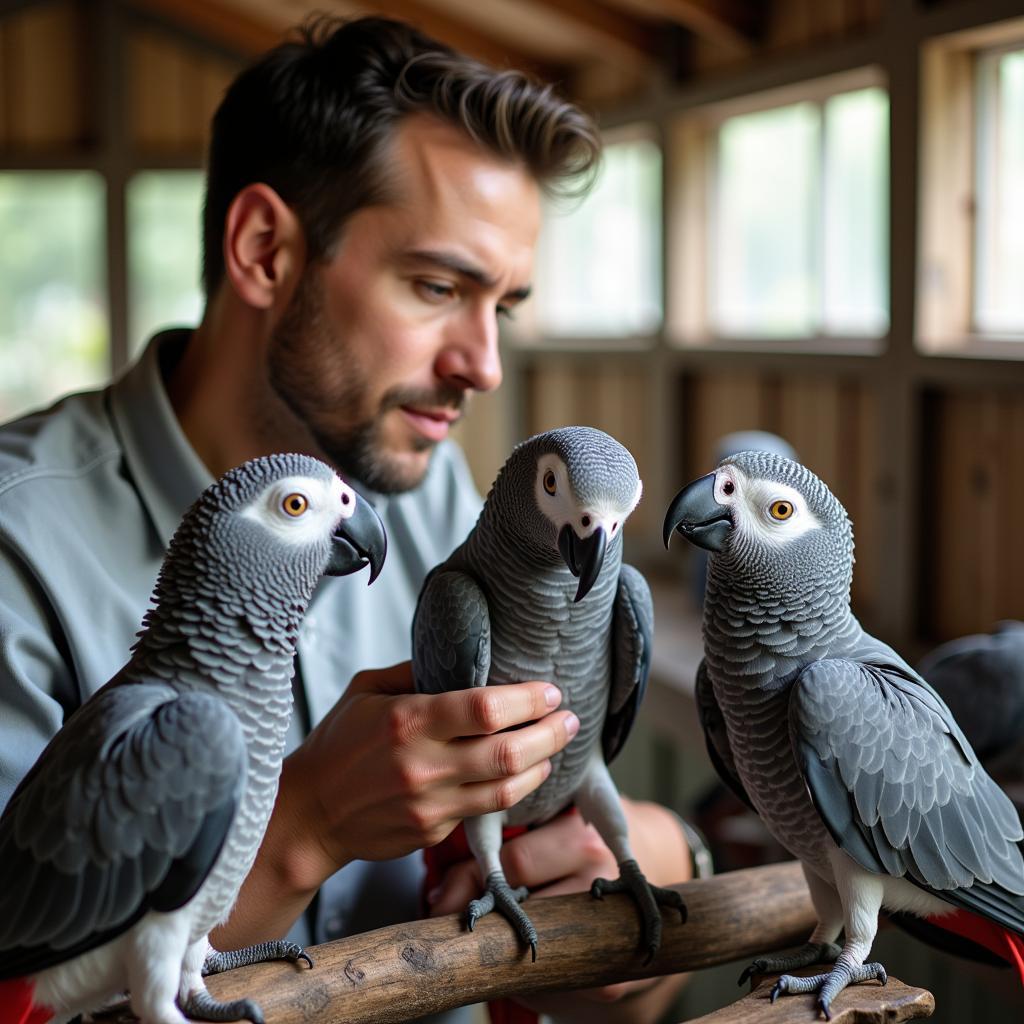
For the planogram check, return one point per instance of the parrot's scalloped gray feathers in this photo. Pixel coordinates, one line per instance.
(633, 632)
(836, 742)
(128, 815)
(154, 795)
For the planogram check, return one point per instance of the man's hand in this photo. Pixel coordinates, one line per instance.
(389, 771)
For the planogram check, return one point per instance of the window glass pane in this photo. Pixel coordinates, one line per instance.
(54, 332)
(599, 261)
(999, 297)
(766, 223)
(856, 277)
(164, 252)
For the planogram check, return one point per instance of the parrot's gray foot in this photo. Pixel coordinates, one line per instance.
(648, 898)
(501, 896)
(262, 953)
(828, 986)
(809, 953)
(202, 1006)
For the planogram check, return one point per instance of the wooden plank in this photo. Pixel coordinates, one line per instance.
(809, 420)
(44, 76)
(158, 73)
(1010, 596)
(408, 970)
(215, 77)
(7, 85)
(231, 24)
(789, 24)
(731, 24)
(863, 498)
(720, 404)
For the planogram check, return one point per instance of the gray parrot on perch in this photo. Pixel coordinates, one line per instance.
(128, 840)
(851, 759)
(539, 591)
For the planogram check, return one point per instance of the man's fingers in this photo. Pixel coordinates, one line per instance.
(563, 855)
(476, 798)
(460, 884)
(510, 753)
(487, 709)
(394, 679)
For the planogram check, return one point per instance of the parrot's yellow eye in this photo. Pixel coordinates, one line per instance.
(781, 510)
(550, 484)
(295, 504)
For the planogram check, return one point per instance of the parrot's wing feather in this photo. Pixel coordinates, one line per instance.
(632, 636)
(125, 812)
(900, 789)
(715, 735)
(451, 634)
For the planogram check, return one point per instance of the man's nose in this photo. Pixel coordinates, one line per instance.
(470, 357)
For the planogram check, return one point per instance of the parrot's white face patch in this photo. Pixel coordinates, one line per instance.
(556, 500)
(302, 510)
(772, 512)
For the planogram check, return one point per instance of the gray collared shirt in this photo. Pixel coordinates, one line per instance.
(91, 491)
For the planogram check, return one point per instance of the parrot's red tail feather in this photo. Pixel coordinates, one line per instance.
(1007, 945)
(505, 1011)
(17, 1005)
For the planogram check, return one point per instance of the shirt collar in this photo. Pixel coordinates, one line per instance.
(168, 473)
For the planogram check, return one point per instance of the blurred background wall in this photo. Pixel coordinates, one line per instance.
(810, 221)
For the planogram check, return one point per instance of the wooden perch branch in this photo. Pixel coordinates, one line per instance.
(406, 971)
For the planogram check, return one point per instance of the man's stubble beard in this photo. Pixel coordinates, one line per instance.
(301, 350)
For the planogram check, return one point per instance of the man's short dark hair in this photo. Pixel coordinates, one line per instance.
(312, 119)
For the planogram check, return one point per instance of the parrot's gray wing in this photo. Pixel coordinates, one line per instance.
(715, 735)
(900, 789)
(632, 636)
(451, 634)
(125, 811)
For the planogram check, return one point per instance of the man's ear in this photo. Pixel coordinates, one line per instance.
(264, 247)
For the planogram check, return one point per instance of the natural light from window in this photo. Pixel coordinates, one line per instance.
(54, 330)
(998, 293)
(598, 268)
(799, 236)
(164, 252)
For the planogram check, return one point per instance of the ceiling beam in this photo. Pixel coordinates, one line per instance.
(218, 22)
(736, 24)
(460, 35)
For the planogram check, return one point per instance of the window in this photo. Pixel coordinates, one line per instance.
(799, 226)
(54, 330)
(164, 252)
(999, 242)
(598, 271)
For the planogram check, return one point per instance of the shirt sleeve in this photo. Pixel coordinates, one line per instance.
(37, 687)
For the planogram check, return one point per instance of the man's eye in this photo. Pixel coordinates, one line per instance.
(434, 291)
(505, 313)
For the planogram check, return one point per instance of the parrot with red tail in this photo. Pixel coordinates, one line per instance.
(851, 759)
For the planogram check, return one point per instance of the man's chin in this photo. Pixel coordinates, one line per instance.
(390, 472)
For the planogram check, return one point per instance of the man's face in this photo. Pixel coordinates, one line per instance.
(384, 341)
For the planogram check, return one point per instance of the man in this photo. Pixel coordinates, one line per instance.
(372, 209)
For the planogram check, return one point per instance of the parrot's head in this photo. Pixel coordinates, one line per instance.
(278, 522)
(567, 493)
(768, 520)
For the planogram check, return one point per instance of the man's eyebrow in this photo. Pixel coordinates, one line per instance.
(449, 261)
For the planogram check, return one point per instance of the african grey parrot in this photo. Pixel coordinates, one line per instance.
(539, 591)
(848, 755)
(128, 840)
(981, 679)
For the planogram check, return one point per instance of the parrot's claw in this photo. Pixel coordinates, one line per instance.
(648, 899)
(501, 896)
(262, 953)
(200, 1005)
(809, 953)
(828, 986)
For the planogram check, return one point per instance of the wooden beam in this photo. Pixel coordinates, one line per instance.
(460, 35)
(218, 22)
(735, 24)
(409, 970)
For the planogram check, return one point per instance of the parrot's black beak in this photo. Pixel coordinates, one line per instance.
(583, 557)
(358, 541)
(697, 516)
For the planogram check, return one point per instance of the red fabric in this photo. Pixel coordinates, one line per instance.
(17, 1005)
(1005, 944)
(439, 859)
